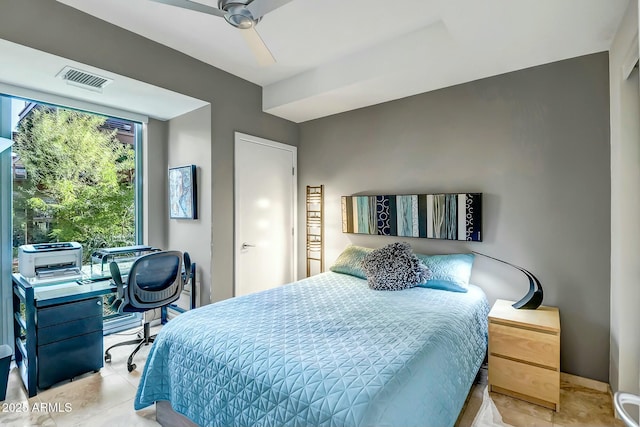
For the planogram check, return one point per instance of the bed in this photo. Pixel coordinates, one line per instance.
(323, 351)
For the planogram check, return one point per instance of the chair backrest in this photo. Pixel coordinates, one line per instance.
(155, 280)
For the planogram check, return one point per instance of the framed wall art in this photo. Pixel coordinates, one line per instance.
(434, 216)
(182, 193)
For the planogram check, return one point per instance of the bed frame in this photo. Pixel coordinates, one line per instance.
(167, 417)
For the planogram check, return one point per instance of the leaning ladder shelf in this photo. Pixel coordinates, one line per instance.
(315, 229)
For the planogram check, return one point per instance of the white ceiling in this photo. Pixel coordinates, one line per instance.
(33, 73)
(338, 55)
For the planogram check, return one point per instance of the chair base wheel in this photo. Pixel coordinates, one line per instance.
(131, 367)
(107, 358)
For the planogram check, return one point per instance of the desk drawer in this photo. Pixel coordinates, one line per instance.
(68, 312)
(67, 330)
(63, 360)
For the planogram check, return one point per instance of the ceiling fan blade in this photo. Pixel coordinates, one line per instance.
(260, 50)
(259, 8)
(191, 5)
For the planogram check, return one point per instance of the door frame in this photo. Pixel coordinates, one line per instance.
(294, 199)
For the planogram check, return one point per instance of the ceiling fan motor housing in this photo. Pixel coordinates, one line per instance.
(237, 13)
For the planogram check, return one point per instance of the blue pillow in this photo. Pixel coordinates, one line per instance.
(350, 261)
(448, 272)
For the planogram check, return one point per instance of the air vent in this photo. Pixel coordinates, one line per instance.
(83, 79)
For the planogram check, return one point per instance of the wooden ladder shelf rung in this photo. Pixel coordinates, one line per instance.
(315, 225)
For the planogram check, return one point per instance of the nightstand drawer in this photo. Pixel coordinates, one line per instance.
(523, 344)
(539, 383)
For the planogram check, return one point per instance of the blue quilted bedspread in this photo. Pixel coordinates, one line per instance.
(324, 351)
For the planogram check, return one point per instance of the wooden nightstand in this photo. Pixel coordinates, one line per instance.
(524, 353)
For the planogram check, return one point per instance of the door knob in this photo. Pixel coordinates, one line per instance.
(246, 245)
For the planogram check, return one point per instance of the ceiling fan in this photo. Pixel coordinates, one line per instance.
(242, 14)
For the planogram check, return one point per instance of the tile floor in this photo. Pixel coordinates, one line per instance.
(106, 399)
(579, 407)
(102, 399)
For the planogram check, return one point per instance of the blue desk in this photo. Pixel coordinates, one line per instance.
(58, 333)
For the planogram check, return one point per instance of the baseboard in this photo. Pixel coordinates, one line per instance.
(585, 382)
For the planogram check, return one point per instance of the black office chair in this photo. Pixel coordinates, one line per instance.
(155, 280)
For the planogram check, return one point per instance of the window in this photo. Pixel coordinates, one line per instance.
(74, 178)
(41, 215)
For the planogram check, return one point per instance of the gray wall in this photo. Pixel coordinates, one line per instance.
(154, 184)
(190, 144)
(535, 142)
(236, 105)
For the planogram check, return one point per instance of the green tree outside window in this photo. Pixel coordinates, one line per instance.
(80, 181)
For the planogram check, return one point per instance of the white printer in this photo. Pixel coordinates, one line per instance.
(50, 261)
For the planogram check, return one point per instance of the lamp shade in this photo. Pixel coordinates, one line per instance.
(533, 298)
(5, 143)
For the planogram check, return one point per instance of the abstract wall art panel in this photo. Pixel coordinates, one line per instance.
(182, 193)
(434, 216)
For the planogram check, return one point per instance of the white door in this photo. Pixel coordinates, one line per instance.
(265, 214)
